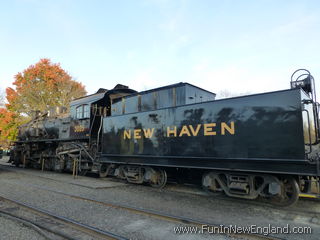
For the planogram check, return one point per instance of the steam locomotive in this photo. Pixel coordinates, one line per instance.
(262, 145)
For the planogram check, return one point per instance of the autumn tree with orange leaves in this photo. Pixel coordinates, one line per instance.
(42, 86)
(39, 87)
(9, 123)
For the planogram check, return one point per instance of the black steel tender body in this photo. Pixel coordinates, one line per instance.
(262, 145)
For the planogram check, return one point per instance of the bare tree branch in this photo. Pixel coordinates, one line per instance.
(2, 98)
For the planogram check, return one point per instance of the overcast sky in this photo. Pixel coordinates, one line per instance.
(242, 46)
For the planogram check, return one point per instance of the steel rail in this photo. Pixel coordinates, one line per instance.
(90, 230)
(27, 223)
(174, 218)
(163, 216)
(216, 196)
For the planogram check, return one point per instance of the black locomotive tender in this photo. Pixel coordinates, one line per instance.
(263, 145)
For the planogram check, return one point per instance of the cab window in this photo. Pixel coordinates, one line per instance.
(82, 111)
(86, 112)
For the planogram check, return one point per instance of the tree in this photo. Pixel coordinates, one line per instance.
(3, 120)
(38, 87)
(9, 123)
(42, 86)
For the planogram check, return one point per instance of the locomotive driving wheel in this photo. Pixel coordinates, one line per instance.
(289, 194)
(160, 179)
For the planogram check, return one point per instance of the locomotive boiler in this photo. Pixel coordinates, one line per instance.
(262, 145)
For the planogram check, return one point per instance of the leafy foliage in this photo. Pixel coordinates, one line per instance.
(38, 87)
(42, 86)
(9, 123)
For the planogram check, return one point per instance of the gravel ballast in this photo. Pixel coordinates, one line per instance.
(30, 186)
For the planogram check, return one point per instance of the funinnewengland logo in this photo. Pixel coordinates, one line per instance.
(206, 129)
(235, 229)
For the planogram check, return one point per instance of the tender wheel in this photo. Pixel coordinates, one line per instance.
(160, 179)
(289, 193)
(210, 184)
(103, 172)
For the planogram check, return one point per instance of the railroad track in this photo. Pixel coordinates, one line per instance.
(292, 210)
(156, 214)
(44, 221)
(159, 215)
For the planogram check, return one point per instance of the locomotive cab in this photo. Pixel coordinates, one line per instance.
(82, 112)
(87, 112)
